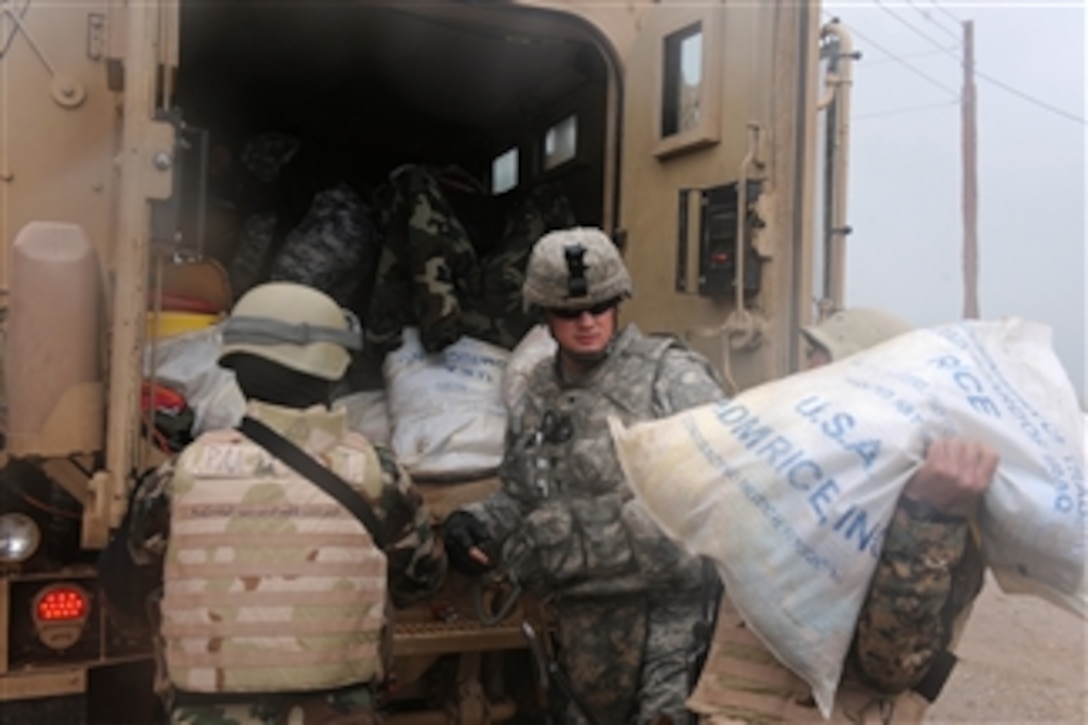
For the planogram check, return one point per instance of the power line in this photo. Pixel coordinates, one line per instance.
(906, 56)
(985, 76)
(929, 17)
(905, 111)
(956, 20)
(892, 56)
(1030, 99)
(909, 25)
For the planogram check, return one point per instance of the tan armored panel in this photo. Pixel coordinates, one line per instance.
(54, 391)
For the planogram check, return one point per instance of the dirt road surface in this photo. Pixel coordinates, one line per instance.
(1022, 660)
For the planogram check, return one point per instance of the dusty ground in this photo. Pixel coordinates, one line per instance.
(1022, 660)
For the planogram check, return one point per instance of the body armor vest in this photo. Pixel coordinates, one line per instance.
(269, 584)
(564, 462)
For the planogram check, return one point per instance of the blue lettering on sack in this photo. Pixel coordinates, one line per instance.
(1068, 478)
(780, 525)
(473, 373)
(1032, 423)
(800, 472)
(968, 382)
(1070, 496)
(837, 426)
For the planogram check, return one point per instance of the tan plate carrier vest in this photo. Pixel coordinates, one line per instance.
(269, 584)
(742, 682)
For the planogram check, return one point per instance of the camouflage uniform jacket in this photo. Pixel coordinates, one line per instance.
(569, 521)
(439, 272)
(416, 564)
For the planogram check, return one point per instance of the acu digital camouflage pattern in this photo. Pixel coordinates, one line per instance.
(928, 575)
(627, 598)
(416, 564)
(432, 274)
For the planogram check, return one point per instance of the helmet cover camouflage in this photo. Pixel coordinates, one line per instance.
(575, 268)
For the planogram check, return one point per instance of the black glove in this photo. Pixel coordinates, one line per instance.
(463, 531)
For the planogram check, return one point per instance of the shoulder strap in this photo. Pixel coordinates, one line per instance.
(304, 464)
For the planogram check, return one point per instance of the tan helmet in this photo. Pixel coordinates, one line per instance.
(849, 331)
(295, 326)
(575, 268)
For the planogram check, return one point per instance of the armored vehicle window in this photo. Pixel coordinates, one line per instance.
(561, 143)
(683, 87)
(504, 172)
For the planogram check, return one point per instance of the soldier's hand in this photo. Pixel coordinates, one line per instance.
(953, 476)
(467, 541)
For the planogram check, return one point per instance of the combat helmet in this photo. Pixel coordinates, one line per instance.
(295, 326)
(849, 331)
(575, 268)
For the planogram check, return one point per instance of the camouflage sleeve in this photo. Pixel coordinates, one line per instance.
(906, 620)
(417, 562)
(500, 512)
(684, 380)
(504, 511)
(148, 517)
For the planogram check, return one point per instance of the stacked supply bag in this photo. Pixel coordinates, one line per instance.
(445, 313)
(446, 408)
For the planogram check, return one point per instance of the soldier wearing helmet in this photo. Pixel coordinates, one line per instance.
(930, 571)
(565, 522)
(273, 599)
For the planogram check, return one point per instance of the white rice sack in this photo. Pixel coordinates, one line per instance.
(367, 413)
(789, 487)
(537, 345)
(447, 414)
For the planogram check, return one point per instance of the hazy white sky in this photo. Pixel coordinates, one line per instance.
(905, 170)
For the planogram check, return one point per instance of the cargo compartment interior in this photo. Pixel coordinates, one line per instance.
(400, 157)
(371, 87)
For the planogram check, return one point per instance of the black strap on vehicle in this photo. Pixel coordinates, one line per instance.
(304, 464)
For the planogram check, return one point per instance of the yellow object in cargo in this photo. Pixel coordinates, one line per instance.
(171, 324)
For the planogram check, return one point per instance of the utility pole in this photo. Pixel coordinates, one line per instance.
(970, 178)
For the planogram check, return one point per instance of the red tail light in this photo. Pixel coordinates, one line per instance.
(61, 604)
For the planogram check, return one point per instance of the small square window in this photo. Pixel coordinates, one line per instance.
(504, 172)
(561, 143)
(681, 108)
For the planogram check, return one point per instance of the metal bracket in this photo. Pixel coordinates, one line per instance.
(187, 163)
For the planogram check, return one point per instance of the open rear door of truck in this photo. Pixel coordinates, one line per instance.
(714, 179)
(145, 39)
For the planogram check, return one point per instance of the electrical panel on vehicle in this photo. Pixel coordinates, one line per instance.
(717, 240)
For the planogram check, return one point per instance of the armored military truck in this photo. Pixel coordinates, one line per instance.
(694, 133)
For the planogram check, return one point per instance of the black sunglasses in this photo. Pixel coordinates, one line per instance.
(598, 309)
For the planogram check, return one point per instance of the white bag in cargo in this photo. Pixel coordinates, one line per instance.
(446, 409)
(789, 486)
(537, 345)
(367, 413)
